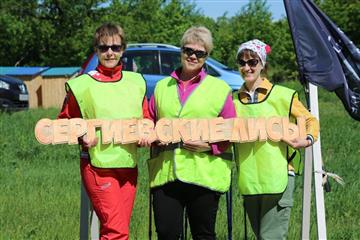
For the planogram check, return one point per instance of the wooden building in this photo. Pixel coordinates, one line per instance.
(46, 86)
(53, 85)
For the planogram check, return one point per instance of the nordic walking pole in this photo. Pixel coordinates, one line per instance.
(150, 202)
(229, 210)
(186, 225)
(150, 215)
(245, 225)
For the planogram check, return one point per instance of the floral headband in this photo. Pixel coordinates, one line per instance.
(257, 46)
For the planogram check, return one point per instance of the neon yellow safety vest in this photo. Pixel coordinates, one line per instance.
(263, 166)
(202, 169)
(110, 100)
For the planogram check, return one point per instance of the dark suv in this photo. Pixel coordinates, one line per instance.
(13, 94)
(156, 61)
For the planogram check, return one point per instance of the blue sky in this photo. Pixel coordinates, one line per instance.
(216, 8)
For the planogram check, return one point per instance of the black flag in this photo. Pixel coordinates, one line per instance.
(325, 55)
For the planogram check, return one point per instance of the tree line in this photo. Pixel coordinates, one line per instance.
(59, 32)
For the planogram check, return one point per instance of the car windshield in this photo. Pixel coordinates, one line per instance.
(218, 64)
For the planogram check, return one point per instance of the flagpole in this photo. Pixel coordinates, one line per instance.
(306, 204)
(313, 154)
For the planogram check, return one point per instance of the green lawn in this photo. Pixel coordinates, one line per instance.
(40, 185)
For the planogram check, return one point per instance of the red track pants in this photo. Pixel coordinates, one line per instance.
(112, 194)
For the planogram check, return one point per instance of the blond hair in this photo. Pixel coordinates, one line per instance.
(200, 35)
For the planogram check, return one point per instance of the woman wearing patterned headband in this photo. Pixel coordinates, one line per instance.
(266, 169)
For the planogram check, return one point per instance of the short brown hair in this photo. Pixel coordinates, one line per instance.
(247, 53)
(251, 54)
(109, 30)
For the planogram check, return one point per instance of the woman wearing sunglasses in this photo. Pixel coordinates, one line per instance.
(266, 169)
(190, 175)
(108, 171)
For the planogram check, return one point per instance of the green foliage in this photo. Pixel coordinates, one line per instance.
(47, 33)
(73, 23)
(19, 33)
(40, 185)
(345, 14)
(282, 59)
(59, 32)
(253, 21)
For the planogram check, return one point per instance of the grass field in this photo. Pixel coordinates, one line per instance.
(40, 185)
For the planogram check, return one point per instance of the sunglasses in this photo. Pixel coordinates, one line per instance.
(105, 48)
(198, 53)
(251, 63)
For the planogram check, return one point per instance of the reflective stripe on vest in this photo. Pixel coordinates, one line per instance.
(202, 169)
(110, 100)
(263, 166)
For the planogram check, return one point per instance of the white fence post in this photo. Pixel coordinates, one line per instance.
(88, 218)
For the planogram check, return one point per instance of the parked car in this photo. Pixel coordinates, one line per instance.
(13, 94)
(156, 61)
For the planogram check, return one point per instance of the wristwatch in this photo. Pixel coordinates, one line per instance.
(310, 138)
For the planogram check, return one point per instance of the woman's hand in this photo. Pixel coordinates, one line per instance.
(197, 146)
(298, 142)
(88, 143)
(145, 142)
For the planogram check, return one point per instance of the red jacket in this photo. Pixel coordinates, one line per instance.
(70, 108)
